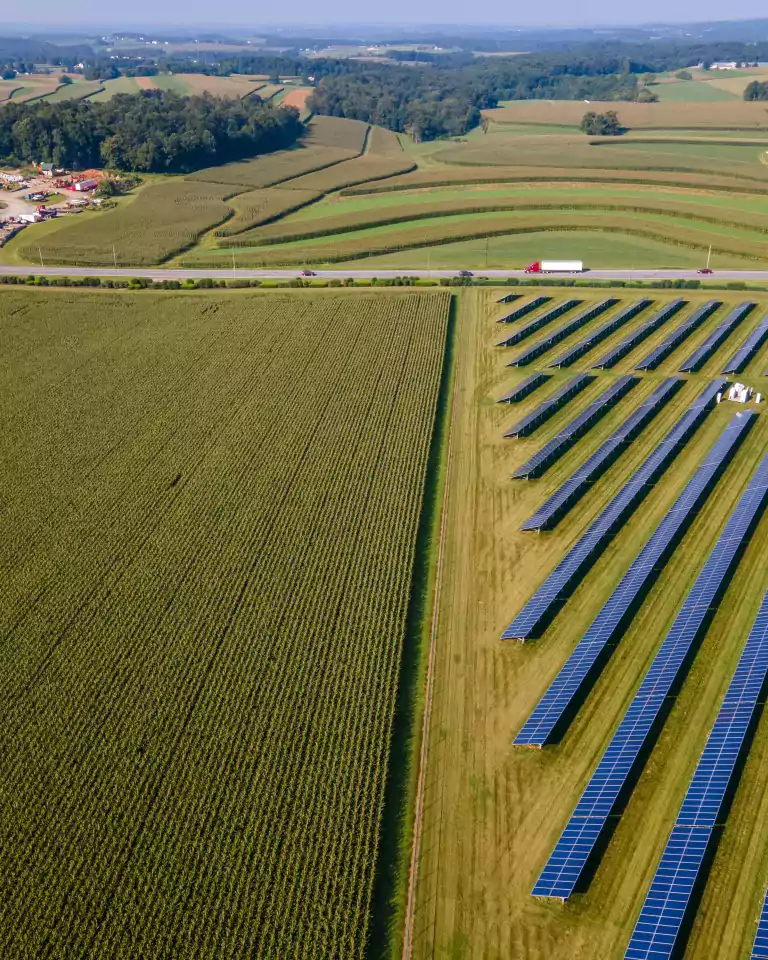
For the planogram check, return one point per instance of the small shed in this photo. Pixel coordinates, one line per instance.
(740, 393)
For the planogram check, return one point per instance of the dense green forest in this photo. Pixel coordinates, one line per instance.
(150, 131)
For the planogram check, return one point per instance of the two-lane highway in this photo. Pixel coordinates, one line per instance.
(171, 273)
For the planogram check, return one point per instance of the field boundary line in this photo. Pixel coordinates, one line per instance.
(410, 908)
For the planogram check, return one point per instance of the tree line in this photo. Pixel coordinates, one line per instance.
(151, 131)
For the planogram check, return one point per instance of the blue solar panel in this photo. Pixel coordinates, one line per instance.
(748, 349)
(644, 331)
(584, 663)
(543, 605)
(673, 341)
(658, 927)
(760, 946)
(557, 446)
(550, 406)
(718, 336)
(574, 488)
(529, 355)
(624, 753)
(510, 297)
(597, 336)
(530, 328)
(524, 388)
(523, 310)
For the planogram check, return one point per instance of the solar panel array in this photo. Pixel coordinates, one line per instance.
(550, 406)
(543, 605)
(509, 297)
(658, 927)
(723, 330)
(673, 341)
(597, 336)
(557, 446)
(530, 328)
(748, 349)
(620, 351)
(557, 506)
(562, 332)
(524, 388)
(623, 756)
(584, 663)
(760, 946)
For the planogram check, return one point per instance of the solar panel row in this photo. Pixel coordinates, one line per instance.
(673, 341)
(530, 328)
(623, 756)
(597, 336)
(550, 406)
(574, 488)
(543, 605)
(524, 388)
(557, 446)
(658, 927)
(620, 351)
(748, 349)
(510, 297)
(723, 330)
(760, 946)
(562, 332)
(579, 671)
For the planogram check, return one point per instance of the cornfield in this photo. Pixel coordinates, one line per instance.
(210, 508)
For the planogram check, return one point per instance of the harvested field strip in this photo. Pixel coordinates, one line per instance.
(426, 179)
(163, 220)
(450, 229)
(256, 602)
(263, 206)
(8, 88)
(329, 140)
(282, 233)
(737, 115)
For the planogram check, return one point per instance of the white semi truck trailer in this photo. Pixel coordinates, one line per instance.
(555, 266)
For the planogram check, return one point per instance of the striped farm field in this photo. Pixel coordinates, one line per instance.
(329, 140)
(261, 206)
(644, 116)
(732, 245)
(211, 505)
(492, 811)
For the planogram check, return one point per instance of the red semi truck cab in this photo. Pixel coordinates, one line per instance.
(534, 267)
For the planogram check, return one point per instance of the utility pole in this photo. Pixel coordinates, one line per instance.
(234, 266)
(114, 256)
(486, 252)
(42, 265)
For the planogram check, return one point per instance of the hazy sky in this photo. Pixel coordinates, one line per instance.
(90, 13)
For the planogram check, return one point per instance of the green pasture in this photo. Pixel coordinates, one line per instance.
(692, 91)
(598, 250)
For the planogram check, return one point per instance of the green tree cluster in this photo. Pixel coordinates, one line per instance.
(756, 90)
(601, 124)
(151, 131)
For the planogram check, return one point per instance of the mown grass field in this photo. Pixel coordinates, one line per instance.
(210, 512)
(492, 813)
